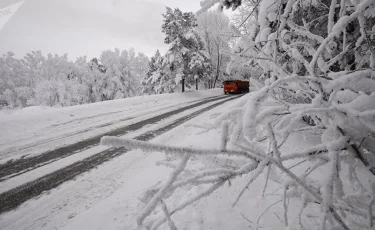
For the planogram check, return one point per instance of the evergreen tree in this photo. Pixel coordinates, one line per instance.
(155, 65)
(186, 60)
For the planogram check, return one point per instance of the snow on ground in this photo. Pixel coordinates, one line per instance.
(32, 130)
(64, 162)
(108, 197)
(128, 175)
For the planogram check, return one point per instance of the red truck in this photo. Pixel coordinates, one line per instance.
(236, 86)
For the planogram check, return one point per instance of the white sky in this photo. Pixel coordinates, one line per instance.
(87, 27)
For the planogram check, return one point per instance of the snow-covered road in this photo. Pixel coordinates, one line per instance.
(48, 175)
(33, 130)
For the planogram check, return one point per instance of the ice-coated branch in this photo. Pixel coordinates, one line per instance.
(274, 110)
(285, 15)
(267, 178)
(171, 224)
(275, 148)
(302, 32)
(265, 210)
(224, 136)
(285, 206)
(151, 147)
(253, 177)
(310, 190)
(339, 27)
(359, 154)
(190, 201)
(159, 196)
(316, 150)
(356, 81)
(209, 177)
(362, 22)
(220, 173)
(254, 101)
(328, 188)
(331, 16)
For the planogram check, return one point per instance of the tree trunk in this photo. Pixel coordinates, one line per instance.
(196, 84)
(183, 84)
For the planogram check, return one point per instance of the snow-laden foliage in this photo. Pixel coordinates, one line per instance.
(153, 75)
(186, 60)
(317, 65)
(56, 81)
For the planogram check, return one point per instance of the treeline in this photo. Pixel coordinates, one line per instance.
(54, 80)
(196, 58)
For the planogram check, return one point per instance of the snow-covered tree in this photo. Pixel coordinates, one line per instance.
(16, 83)
(117, 81)
(214, 28)
(317, 87)
(153, 75)
(139, 67)
(186, 60)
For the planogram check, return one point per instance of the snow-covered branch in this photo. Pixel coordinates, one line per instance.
(150, 147)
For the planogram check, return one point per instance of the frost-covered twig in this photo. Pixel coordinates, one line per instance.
(339, 56)
(267, 178)
(285, 207)
(253, 177)
(316, 150)
(252, 11)
(159, 196)
(311, 191)
(329, 187)
(295, 165)
(189, 202)
(332, 10)
(359, 154)
(171, 224)
(265, 210)
(224, 136)
(275, 147)
(248, 220)
(151, 147)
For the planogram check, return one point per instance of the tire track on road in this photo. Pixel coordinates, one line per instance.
(68, 134)
(13, 198)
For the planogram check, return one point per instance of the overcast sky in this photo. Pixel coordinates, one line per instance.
(87, 27)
